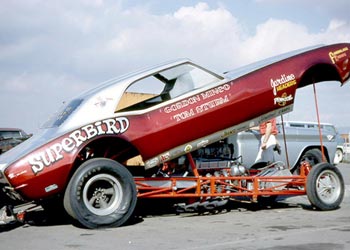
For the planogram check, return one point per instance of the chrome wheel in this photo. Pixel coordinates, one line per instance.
(328, 186)
(325, 186)
(102, 194)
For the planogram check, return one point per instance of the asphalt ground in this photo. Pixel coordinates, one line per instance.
(290, 224)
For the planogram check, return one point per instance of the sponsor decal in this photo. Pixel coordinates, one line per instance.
(282, 100)
(337, 55)
(188, 148)
(152, 162)
(182, 104)
(51, 188)
(200, 108)
(101, 101)
(165, 157)
(215, 91)
(282, 83)
(202, 144)
(15, 175)
(191, 106)
(68, 144)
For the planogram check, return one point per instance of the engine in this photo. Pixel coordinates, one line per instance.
(213, 160)
(216, 160)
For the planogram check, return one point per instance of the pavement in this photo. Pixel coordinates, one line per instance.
(291, 224)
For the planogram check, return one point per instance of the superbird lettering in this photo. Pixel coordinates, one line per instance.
(55, 152)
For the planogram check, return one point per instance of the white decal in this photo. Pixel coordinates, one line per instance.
(282, 83)
(283, 99)
(184, 115)
(189, 103)
(202, 143)
(102, 101)
(165, 157)
(182, 104)
(200, 108)
(55, 152)
(215, 91)
(152, 162)
(50, 188)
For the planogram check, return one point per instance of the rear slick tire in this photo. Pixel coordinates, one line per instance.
(325, 187)
(101, 193)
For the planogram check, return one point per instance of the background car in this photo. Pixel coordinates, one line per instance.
(302, 141)
(346, 148)
(328, 130)
(10, 137)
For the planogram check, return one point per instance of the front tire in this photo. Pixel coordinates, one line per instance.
(101, 193)
(325, 187)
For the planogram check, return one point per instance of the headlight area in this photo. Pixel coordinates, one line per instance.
(3, 179)
(8, 196)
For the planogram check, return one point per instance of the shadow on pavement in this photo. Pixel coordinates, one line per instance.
(37, 216)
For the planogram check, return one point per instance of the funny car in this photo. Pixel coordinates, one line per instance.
(148, 134)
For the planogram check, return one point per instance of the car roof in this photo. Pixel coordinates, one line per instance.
(308, 122)
(10, 129)
(126, 79)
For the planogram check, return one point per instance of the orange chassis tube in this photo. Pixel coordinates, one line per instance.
(221, 186)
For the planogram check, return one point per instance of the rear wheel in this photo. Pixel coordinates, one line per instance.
(101, 193)
(325, 186)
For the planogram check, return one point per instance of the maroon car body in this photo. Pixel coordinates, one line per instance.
(165, 124)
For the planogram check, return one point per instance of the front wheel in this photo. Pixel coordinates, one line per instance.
(325, 187)
(101, 193)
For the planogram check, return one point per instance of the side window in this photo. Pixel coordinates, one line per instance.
(163, 86)
(141, 94)
(297, 125)
(330, 129)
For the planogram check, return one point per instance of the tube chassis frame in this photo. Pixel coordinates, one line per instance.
(153, 187)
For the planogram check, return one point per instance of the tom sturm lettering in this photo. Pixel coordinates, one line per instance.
(200, 108)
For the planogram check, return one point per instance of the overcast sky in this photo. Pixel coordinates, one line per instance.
(50, 51)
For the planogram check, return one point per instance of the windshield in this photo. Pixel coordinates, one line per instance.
(61, 115)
